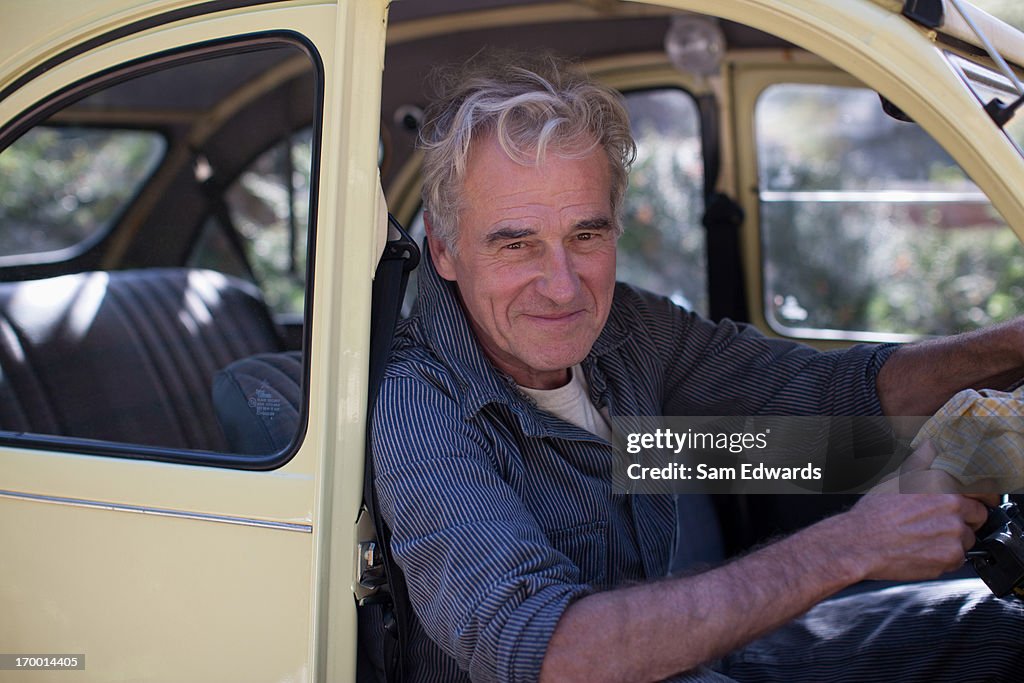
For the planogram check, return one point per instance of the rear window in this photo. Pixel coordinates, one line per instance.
(662, 247)
(269, 209)
(61, 188)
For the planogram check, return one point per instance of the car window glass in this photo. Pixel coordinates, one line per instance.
(61, 186)
(662, 247)
(131, 348)
(869, 228)
(268, 205)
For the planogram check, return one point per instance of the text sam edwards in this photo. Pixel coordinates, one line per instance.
(746, 471)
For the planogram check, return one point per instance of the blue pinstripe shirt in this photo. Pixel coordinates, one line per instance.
(502, 514)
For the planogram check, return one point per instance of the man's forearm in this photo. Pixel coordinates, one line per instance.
(652, 631)
(920, 377)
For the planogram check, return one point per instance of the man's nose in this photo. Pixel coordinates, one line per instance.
(559, 281)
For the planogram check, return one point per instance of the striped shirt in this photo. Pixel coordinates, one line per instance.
(502, 515)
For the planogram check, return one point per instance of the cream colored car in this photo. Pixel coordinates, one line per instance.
(194, 199)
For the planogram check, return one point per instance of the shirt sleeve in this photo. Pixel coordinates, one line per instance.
(730, 368)
(484, 582)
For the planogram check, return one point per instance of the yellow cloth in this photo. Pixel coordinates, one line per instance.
(979, 435)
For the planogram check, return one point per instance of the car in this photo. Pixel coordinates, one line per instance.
(196, 255)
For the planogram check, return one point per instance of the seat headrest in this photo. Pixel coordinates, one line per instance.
(257, 401)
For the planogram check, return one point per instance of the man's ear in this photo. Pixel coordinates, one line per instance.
(439, 251)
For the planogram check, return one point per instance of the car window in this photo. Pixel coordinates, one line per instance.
(662, 247)
(63, 186)
(869, 228)
(130, 343)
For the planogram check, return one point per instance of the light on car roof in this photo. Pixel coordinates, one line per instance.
(695, 44)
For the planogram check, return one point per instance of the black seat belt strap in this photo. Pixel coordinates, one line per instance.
(722, 219)
(400, 257)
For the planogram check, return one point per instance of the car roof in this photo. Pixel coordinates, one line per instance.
(35, 32)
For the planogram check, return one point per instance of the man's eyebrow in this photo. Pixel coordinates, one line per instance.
(502, 234)
(598, 223)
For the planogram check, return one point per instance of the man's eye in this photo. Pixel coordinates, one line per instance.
(584, 236)
(514, 245)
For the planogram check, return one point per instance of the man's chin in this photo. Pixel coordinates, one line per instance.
(555, 362)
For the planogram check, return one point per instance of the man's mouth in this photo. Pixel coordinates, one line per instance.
(566, 316)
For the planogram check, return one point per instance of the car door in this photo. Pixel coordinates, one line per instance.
(146, 549)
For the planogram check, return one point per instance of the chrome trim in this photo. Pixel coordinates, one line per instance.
(181, 514)
(830, 334)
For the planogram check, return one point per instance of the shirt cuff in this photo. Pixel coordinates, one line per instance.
(529, 629)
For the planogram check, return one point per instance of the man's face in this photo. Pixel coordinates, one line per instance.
(535, 264)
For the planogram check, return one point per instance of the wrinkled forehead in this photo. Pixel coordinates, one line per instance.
(491, 149)
(555, 191)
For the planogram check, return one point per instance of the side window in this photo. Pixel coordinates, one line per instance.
(869, 228)
(157, 223)
(662, 247)
(62, 187)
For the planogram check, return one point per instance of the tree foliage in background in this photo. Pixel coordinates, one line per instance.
(662, 244)
(59, 186)
(845, 255)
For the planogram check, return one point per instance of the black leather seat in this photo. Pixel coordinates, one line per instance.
(126, 356)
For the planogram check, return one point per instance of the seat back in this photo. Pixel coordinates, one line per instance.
(126, 356)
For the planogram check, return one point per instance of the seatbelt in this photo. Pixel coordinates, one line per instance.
(400, 257)
(722, 220)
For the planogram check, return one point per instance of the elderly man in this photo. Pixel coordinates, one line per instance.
(491, 438)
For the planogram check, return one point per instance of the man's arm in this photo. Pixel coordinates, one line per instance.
(652, 631)
(484, 580)
(918, 378)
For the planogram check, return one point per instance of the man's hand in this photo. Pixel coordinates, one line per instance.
(636, 631)
(912, 536)
(923, 521)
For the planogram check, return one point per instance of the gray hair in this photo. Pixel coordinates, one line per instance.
(530, 104)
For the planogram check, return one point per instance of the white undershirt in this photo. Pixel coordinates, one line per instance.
(572, 403)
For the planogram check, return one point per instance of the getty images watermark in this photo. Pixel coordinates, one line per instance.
(753, 454)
